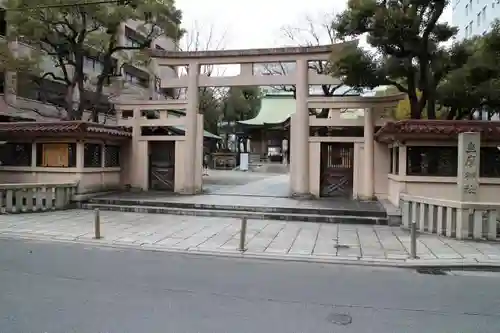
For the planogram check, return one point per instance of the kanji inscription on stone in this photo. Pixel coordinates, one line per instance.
(468, 165)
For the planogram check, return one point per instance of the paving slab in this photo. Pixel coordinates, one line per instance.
(267, 185)
(267, 239)
(243, 200)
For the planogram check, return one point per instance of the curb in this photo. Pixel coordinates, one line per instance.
(238, 214)
(355, 261)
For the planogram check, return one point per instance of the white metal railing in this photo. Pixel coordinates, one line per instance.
(34, 197)
(461, 220)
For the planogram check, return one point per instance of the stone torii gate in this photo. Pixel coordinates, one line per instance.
(301, 78)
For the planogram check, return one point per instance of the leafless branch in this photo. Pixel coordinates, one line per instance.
(312, 31)
(195, 40)
(204, 38)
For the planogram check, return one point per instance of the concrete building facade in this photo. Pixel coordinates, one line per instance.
(474, 17)
(22, 95)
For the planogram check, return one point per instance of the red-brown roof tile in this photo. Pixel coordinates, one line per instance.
(62, 127)
(437, 129)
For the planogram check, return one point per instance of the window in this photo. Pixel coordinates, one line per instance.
(94, 64)
(134, 38)
(88, 62)
(136, 80)
(484, 14)
(489, 165)
(466, 10)
(432, 161)
(478, 20)
(15, 154)
(56, 155)
(396, 160)
(129, 78)
(132, 42)
(92, 155)
(111, 156)
(391, 159)
(142, 82)
(3, 23)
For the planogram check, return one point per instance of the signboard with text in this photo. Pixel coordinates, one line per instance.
(469, 144)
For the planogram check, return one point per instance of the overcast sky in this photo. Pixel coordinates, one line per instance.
(256, 23)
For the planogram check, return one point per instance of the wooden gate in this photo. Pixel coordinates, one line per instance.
(337, 166)
(162, 165)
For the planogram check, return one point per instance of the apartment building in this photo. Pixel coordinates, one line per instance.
(474, 17)
(43, 99)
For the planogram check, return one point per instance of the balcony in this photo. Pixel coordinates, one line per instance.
(28, 109)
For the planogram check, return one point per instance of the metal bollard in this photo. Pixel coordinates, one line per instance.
(243, 232)
(413, 240)
(97, 224)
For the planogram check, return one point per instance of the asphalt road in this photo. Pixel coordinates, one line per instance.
(55, 287)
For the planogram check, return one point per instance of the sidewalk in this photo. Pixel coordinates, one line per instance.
(303, 241)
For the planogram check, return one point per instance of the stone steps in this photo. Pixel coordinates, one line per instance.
(323, 215)
(241, 207)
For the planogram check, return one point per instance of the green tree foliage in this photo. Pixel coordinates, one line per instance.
(69, 30)
(241, 103)
(402, 110)
(408, 43)
(475, 85)
(211, 108)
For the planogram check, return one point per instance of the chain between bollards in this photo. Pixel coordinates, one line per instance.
(243, 232)
(413, 240)
(97, 224)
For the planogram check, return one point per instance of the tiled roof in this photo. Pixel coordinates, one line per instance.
(274, 110)
(61, 127)
(206, 134)
(437, 129)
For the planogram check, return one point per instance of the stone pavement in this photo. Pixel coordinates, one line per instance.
(156, 198)
(305, 241)
(229, 182)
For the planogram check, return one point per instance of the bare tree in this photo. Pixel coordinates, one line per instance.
(311, 31)
(200, 38)
(204, 38)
